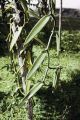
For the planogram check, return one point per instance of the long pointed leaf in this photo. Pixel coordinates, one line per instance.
(54, 82)
(33, 91)
(31, 12)
(36, 29)
(39, 41)
(37, 64)
(35, 88)
(24, 4)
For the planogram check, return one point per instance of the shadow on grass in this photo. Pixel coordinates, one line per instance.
(62, 103)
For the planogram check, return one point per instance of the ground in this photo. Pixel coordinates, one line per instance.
(62, 103)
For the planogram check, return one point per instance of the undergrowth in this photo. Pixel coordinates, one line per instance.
(62, 103)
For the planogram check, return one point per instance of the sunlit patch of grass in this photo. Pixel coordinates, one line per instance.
(6, 77)
(70, 62)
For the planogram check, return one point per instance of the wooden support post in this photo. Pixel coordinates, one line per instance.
(60, 25)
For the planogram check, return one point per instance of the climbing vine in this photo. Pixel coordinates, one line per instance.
(19, 17)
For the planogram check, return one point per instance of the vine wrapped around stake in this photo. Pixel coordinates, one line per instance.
(22, 44)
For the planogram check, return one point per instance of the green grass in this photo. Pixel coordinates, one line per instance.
(63, 103)
(70, 62)
(6, 77)
(50, 104)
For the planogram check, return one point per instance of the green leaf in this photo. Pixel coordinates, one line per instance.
(28, 86)
(24, 5)
(36, 29)
(33, 91)
(37, 64)
(38, 40)
(15, 37)
(31, 12)
(54, 83)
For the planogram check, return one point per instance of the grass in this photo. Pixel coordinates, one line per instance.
(68, 61)
(62, 103)
(6, 77)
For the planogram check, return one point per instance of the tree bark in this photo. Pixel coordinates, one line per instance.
(22, 58)
(22, 65)
(30, 109)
